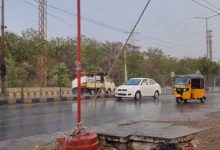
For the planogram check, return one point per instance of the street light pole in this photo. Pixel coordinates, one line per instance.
(208, 44)
(207, 39)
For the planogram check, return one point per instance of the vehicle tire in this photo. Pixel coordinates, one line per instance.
(102, 91)
(109, 92)
(185, 101)
(202, 100)
(178, 100)
(156, 95)
(119, 98)
(137, 95)
(92, 92)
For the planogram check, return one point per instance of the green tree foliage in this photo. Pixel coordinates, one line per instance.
(208, 67)
(136, 64)
(22, 58)
(61, 74)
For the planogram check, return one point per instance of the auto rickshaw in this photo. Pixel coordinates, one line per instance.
(187, 87)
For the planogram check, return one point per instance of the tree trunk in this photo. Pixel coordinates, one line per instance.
(60, 91)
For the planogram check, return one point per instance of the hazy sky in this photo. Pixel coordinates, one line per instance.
(167, 24)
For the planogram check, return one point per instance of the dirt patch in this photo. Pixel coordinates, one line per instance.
(209, 139)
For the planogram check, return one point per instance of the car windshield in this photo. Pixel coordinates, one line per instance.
(181, 80)
(133, 82)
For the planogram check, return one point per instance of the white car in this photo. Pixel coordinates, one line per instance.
(137, 88)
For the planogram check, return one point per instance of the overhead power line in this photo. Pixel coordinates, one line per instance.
(148, 38)
(212, 4)
(54, 16)
(122, 49)
(132, 31)
(205, 6)
(84, 18)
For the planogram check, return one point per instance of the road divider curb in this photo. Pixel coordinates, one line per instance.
(27, 94)
(11, 101)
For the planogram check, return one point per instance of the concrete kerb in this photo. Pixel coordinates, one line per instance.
(12, 101)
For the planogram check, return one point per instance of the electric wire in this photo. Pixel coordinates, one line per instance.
(97, 23)
(154, 41)
(211, 4)
(89, 20)
(122, 49)
(205, 6)
(84, 18)
(54, 16)
(147, 38)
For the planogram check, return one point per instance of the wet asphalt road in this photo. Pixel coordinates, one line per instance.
(45, 118)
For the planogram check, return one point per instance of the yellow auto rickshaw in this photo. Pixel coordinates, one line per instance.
(187, 87)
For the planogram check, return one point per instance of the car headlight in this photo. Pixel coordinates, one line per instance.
(185, 89)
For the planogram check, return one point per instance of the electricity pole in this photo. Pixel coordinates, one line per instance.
(210, 43)
(2, 50)
(208, 33)
(126, 70)
(125, 54)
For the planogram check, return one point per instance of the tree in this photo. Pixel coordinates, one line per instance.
(60, 73)
(136, 64)
(208, 68)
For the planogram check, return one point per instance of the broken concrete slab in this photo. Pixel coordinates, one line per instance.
(145, 135)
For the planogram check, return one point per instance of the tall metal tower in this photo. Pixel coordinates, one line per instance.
(42, 56)
(42, 28)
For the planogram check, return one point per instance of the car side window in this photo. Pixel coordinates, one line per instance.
(144, 82)
(151, 82)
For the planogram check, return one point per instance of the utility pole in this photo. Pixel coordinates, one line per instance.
(126, 71)
(79, 123)
(42, 57)
(2, 50)
(125, 54)
(207, 39)
(208, 44)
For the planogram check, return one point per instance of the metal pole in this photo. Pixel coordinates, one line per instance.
(78, 66)
(2, 54)
(207, 34)
(207, 38)
(210, 44)
(126, 71)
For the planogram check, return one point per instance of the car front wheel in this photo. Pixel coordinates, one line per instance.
(156, 95)
(137, 95)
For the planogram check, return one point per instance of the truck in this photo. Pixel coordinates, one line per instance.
(93, 83)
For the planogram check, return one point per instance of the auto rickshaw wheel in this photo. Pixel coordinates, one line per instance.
(202, 100)
(185, 101)
(178, 100)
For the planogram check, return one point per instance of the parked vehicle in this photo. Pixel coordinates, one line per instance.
(92, 83)
(137, 88)
(187, 87)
